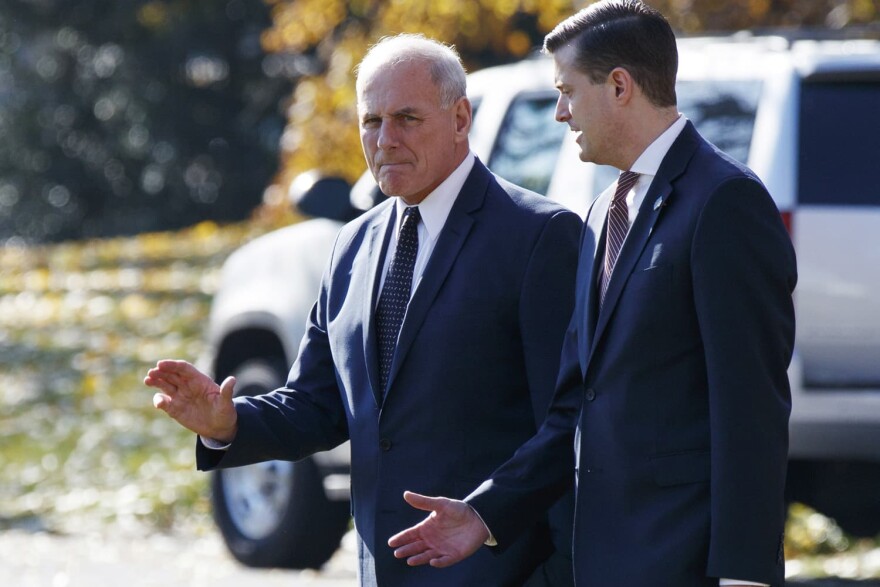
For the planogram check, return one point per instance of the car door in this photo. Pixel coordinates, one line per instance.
(837, 231)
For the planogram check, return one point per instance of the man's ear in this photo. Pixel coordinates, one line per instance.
(463, 117)
(622, 82)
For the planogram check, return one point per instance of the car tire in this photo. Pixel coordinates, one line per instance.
(275, 514)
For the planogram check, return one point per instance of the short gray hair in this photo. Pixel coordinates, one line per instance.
(445, 64)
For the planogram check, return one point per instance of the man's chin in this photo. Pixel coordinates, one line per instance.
(389, 190)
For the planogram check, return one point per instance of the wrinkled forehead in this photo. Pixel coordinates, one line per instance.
(396, 85)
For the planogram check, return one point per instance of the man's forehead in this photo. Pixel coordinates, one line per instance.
(567, 70)
(392, 108)
(395, 89)
(563, 60)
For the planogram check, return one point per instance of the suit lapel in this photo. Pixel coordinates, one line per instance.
(452, 238)
(632, 249)
(379, 235)
(592, 252)
(656, 201)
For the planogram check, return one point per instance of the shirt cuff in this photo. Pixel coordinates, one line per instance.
(214, 444)
(724, 582)
(490, 541)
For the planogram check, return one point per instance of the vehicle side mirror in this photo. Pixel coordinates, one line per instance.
(365, 193)
(322, 197)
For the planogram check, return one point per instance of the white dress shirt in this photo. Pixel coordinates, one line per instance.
(434, 210)
(647, 165)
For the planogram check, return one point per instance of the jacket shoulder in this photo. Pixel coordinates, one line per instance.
(525, 201)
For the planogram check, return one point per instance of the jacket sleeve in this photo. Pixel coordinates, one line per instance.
(744, 272)
(522, 489)
(303, 417)
(546, 303)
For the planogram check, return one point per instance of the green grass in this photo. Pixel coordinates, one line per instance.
(81, 446)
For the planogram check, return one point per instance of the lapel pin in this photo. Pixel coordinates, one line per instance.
(659, 203)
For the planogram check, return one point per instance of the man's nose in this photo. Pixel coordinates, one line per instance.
(562, 112)
(387, 135)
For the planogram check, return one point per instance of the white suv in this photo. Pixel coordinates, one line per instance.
(804, 115)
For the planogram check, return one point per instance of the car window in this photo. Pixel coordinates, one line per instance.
(839, 147)
(528, 142)
(475, 103)
(723, 111)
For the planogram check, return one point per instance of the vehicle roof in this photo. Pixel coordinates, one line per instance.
(709, 56)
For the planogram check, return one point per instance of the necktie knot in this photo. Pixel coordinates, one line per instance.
(625, 183)
(411, 216)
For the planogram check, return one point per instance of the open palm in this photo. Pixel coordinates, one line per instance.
(194, 399)
(451, 532)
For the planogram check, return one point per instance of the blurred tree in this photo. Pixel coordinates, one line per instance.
(121, 117)
(322, 124)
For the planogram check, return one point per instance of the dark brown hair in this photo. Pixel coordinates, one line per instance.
(627, 34)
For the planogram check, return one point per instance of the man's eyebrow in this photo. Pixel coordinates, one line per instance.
(399, 112)
(404, 111)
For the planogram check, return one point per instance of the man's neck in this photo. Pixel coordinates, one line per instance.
(644, 129)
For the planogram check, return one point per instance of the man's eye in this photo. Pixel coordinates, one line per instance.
(370, 122)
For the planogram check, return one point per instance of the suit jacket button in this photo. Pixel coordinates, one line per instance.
(385, 444)
(590, 395)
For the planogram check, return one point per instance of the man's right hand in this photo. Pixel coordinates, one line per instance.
(194, 400)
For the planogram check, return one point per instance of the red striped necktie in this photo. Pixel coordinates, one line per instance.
(618, 226)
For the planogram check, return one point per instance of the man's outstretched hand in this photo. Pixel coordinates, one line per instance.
(194, 400)
(451, 532)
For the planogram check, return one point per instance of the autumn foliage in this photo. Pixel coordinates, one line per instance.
(322, 127)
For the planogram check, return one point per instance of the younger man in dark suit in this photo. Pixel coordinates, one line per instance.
(672, 403)
(435, 339)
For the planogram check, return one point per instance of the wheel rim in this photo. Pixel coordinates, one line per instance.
(257, 496)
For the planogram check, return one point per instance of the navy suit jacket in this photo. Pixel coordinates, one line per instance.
(672, 402)
(471, 380)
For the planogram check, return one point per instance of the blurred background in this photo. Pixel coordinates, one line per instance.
(141, 142)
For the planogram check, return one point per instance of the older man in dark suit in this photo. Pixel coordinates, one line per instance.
(435, 340)
(672, 402)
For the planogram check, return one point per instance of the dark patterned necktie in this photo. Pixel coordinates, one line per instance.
(618, 226)
(396, 292)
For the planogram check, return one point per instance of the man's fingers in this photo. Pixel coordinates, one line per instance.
(424, 558)
(408, 536)
(174, 366)
(445, 560)
(423, 502)
(410, 549)
(175, 372)
(227, 388)
(160, 401)
(165, 381)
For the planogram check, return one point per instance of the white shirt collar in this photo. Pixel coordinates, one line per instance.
(647, 165)
(649, 161)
